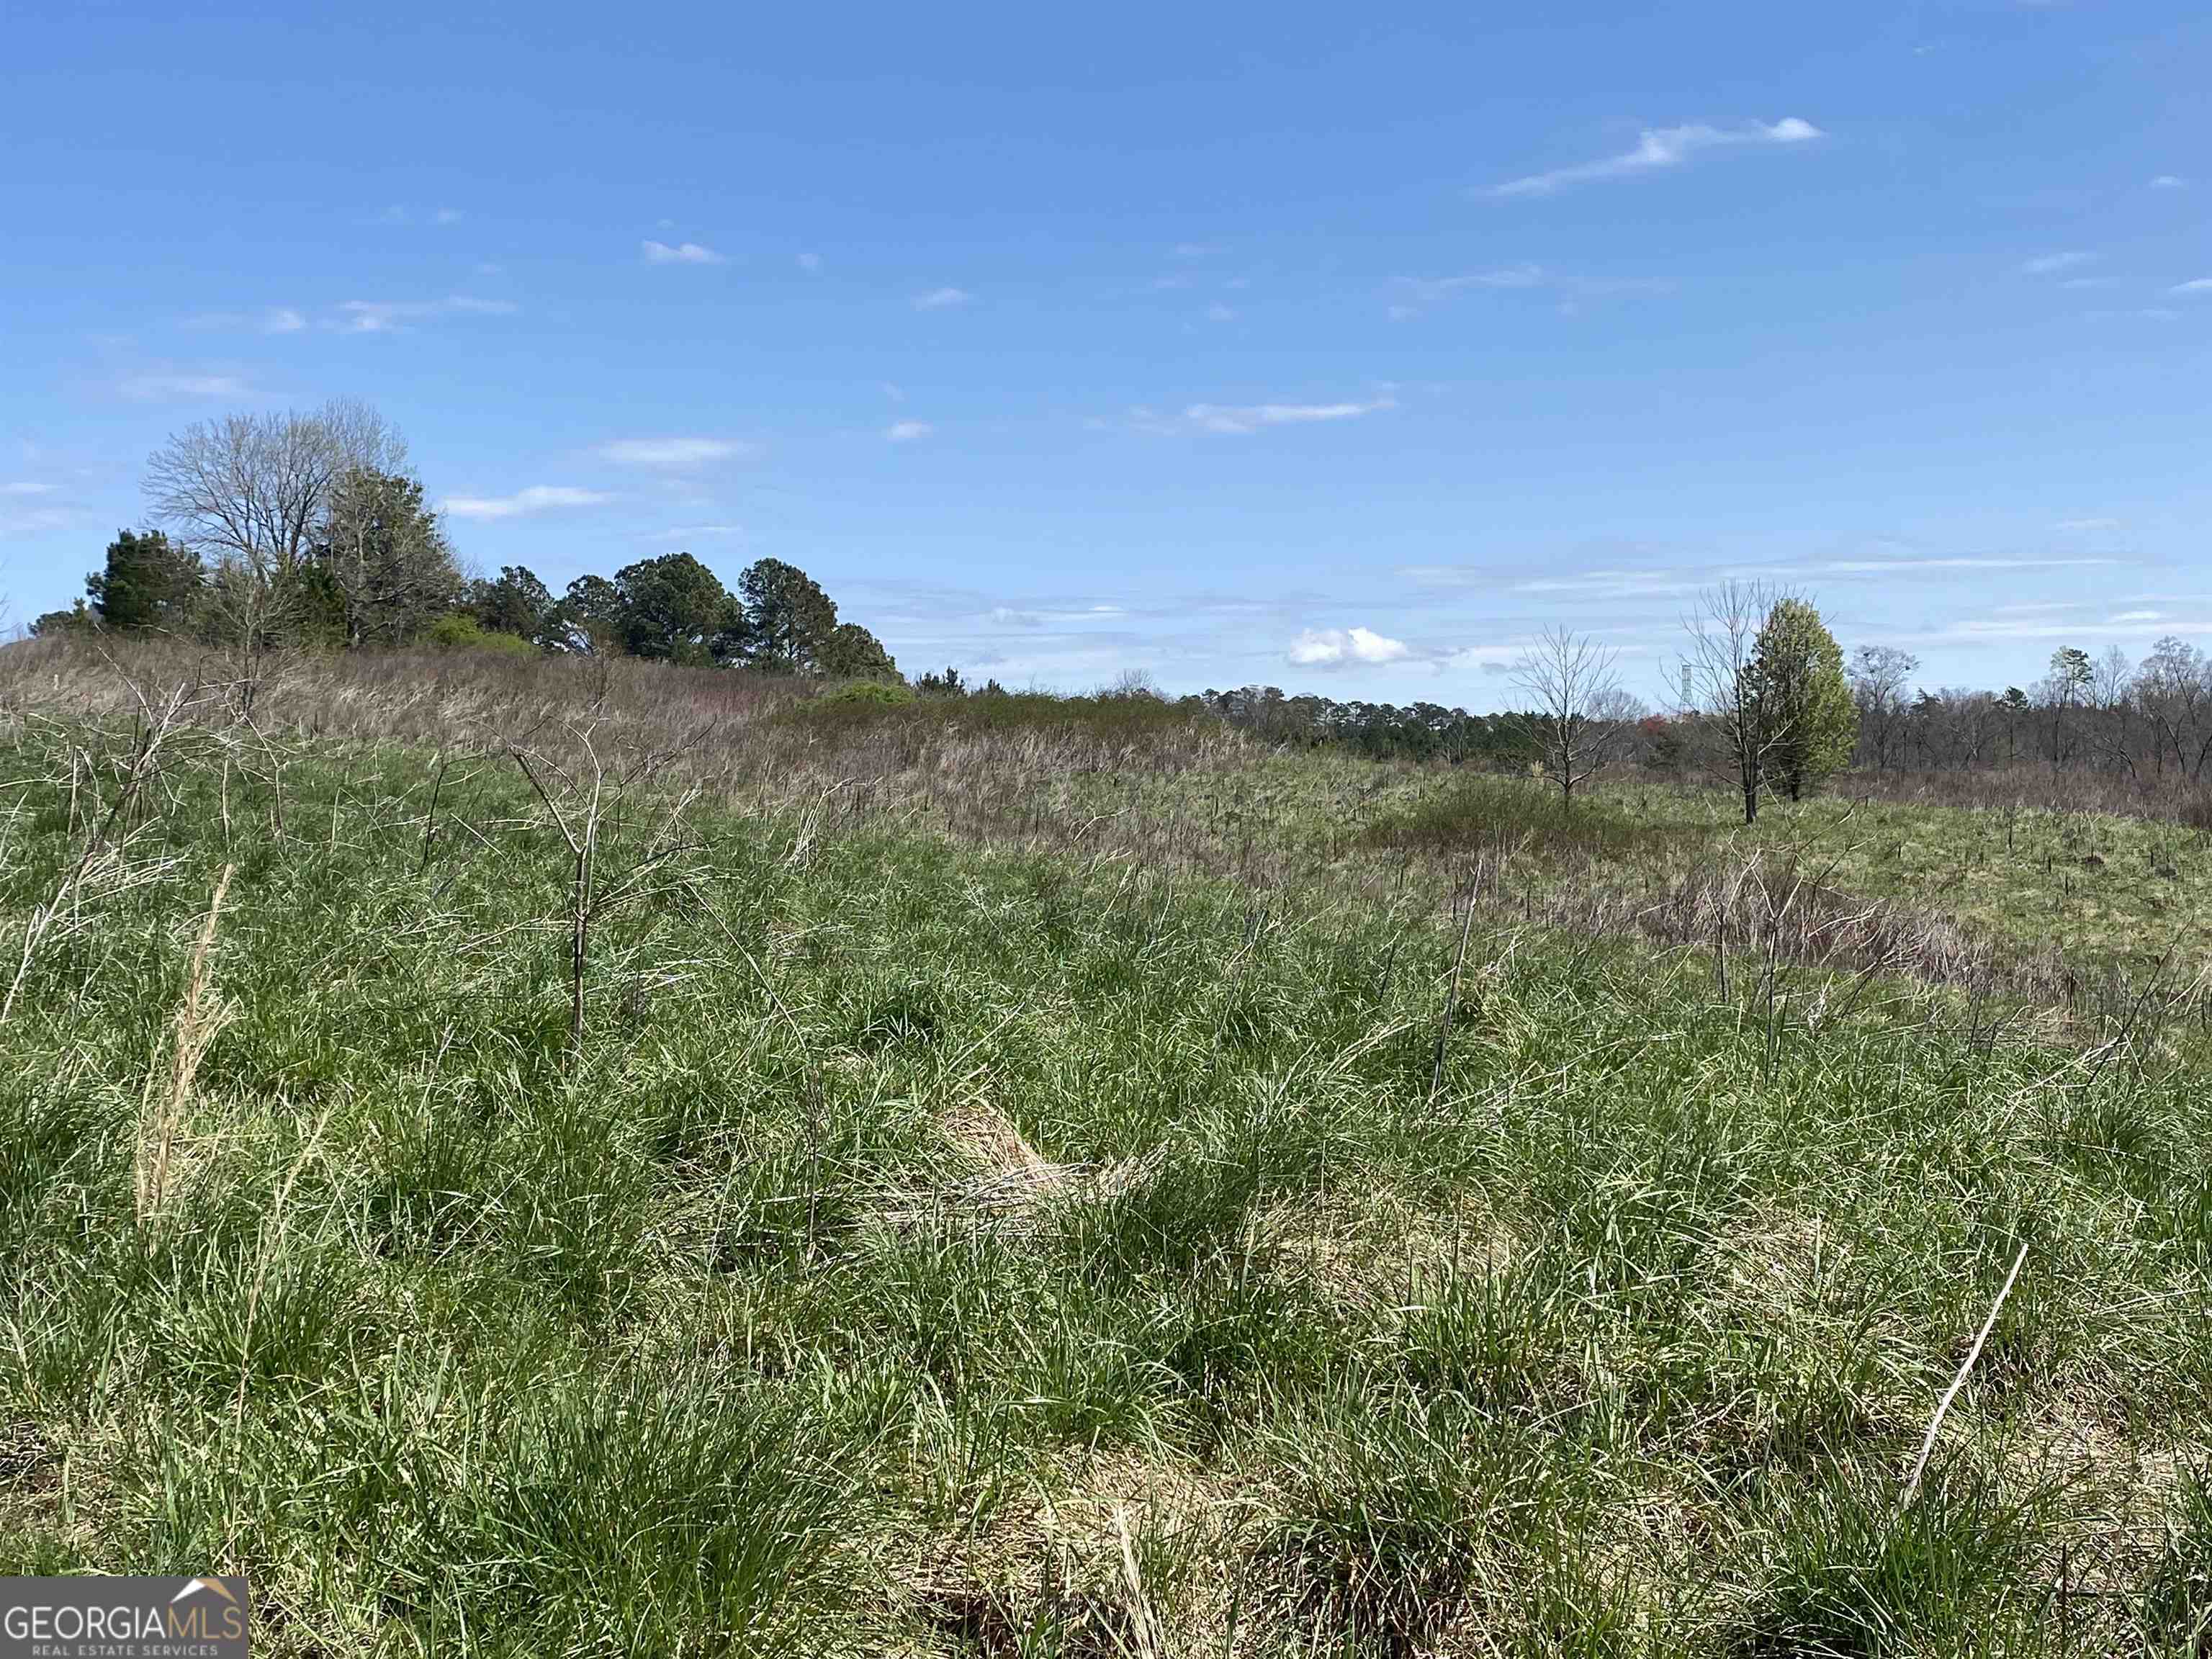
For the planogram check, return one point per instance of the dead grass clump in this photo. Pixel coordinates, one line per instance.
(1127, 1554)
(198, 1020)
(1012, 1183)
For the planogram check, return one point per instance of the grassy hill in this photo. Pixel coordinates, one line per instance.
(1049, 1179)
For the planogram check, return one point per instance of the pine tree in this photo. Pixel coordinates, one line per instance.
(148, 582)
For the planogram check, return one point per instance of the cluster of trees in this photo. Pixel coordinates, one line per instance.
(286, 532)
(1380, 731)
(674, 609)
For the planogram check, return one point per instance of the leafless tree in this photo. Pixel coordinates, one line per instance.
(249, 494)
(1880, 677)
(2173, 688)
(1741, 731)
(1581, 716)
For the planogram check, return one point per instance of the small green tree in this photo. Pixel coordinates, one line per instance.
(148, 583)
(1804, 699)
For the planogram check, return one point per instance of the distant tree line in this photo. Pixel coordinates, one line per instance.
(309, 532)
(2149, 722)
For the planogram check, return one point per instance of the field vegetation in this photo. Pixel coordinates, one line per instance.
(582, 1156)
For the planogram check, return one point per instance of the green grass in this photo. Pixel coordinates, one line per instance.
(959, 1246)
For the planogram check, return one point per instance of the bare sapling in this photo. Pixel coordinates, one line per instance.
(593, 792)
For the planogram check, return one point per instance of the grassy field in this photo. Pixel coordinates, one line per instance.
(1049, 1190)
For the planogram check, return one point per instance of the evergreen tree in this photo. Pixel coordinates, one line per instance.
(852, 652)
(673, 609)
(385, 558)
(788, 619)
(589, 620)
(148, 582)
(517, 604)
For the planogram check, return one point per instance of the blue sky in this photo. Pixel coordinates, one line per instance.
(1234, 343)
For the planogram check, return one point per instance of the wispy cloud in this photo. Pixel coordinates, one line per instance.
(906, 432)
(1217, 313)
(448, 217)
(183, 388)
(1660, 582)
(699, 532)
(681, 253)
(1430, 289)
(393, 316)
(538, 498)
(27, 489)
(1241, 418)
(2194, 285)
(939, 299)
(1337, 647)
(810, 262)
(2169, 181)
(1418, 293)
(273, 320)
(672, 454)
(1661, 148)
(2050, 265)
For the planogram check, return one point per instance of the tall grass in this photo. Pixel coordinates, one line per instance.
(1012, 1241)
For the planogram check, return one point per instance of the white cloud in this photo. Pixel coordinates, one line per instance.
(1432, 288)
(1659, 148)
(2138, 617)
(938, 298)
(698, 532)
(2168, 181)
(810, 262)
(1250, 417)
(450, 216)
(393, 316)
(2050, 265)
(2194, 285)
(538, 498)
(275, 319)
(905, 432)
(682, 253)
(27, 489)
(178, 388)
(1217, 313)
(674, 454)
(1332, 648)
